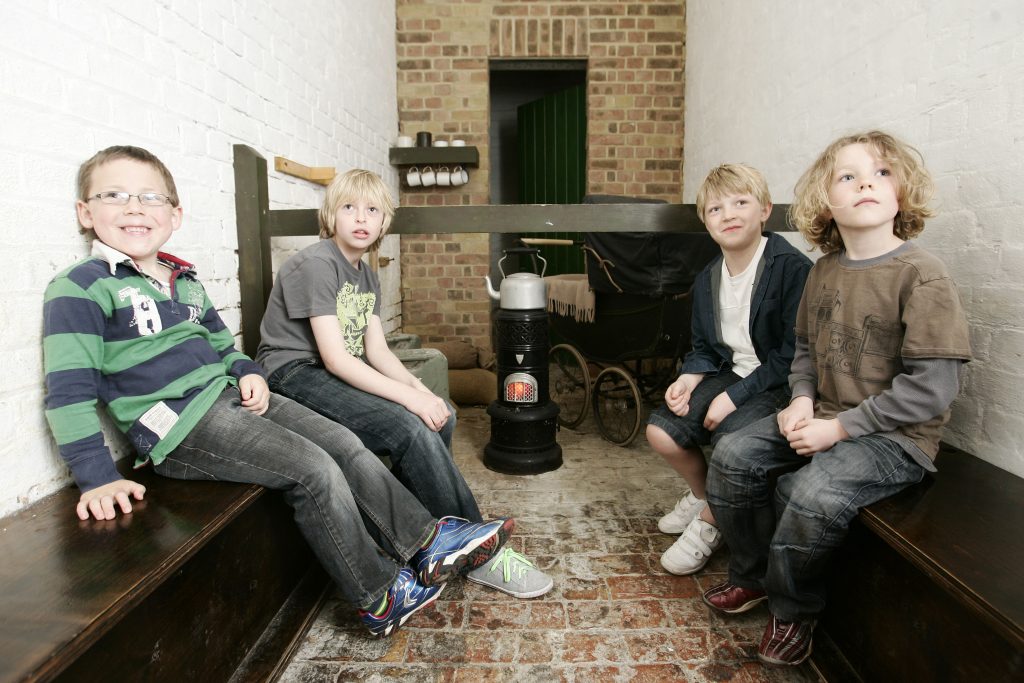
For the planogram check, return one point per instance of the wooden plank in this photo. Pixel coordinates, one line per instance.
(524, 218)
(252, 213)
(293, 223)
(533, 218)
(322, 175)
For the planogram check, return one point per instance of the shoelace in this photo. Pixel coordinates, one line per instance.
(510, 561)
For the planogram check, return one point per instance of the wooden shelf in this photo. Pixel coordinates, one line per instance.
(406, 156)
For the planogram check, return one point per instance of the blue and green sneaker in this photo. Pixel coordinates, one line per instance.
(458, 545)
(403, 599)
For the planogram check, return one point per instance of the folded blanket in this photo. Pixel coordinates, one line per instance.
(570, 295)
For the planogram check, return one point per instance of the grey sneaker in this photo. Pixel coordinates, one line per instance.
(679, 517)
(510, 572)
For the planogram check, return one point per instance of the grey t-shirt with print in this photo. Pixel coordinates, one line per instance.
(318, 280)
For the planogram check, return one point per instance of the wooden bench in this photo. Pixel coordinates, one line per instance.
(203, 581)
(930, 583)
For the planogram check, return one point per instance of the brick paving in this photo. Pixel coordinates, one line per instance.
(613, 615)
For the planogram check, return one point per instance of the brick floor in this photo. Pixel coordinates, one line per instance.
(613, 615)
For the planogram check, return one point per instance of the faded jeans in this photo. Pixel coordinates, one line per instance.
(328, 478)
(783, 545)
(421, 458)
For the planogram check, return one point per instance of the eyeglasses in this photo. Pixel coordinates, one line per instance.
(122, 198)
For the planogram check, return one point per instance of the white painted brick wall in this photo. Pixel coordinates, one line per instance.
(312, 80)
(772, 83)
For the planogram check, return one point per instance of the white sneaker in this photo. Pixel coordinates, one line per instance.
(692, 550)
(676, 521)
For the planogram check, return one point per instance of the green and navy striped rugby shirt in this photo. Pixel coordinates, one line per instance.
(155, 360)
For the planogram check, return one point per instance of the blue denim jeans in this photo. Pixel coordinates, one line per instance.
(782, 544)
(420, 458)
(330, 480)
(689, 431)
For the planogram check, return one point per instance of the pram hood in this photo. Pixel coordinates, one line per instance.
(654, 264)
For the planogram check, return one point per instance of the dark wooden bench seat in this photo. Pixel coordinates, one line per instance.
(930, 584)
(184, 588)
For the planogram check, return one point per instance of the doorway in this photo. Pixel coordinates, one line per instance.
(537, 135)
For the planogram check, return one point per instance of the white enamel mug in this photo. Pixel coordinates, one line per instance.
(444, 177)
(412, 177)
(457, 178)
(428, 177)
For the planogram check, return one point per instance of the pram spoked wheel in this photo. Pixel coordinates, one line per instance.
(570, 384)
(617, 406)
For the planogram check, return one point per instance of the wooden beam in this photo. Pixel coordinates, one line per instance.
(525, 218)
(322, 175)
(252, 214)
(534, 218)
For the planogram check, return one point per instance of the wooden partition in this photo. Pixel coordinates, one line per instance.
(257, 223)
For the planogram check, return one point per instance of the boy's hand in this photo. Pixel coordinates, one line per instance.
(255, 393)
(100, 501)
(721, 407)
(799, 412)
(430, 408)
(816, 435)
(677, 396)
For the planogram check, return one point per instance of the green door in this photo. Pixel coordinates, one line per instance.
(552, 140)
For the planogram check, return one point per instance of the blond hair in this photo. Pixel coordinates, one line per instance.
(352, 186)
(811, 213)
(732, 179)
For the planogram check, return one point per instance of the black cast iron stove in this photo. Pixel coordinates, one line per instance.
(524, 420)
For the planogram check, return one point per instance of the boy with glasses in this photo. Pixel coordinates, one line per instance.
(133, 328)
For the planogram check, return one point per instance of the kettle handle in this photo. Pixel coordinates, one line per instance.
(532, 251)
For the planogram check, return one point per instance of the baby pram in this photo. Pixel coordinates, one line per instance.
(621, 327)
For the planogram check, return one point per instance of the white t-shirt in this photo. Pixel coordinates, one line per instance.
(734, 311)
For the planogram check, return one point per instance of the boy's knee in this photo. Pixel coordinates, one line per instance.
(658, 438)
(806, 495)
(729, 450)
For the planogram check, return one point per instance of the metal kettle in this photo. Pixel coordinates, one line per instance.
(520, 291)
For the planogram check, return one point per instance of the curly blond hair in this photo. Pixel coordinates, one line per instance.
(811, 212)
(732, 179)
(353, 186)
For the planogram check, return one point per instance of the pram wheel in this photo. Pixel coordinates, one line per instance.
(617, 406)
(570, 384)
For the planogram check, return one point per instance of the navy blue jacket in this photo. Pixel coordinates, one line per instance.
(778, 284)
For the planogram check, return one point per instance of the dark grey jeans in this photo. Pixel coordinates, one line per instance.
(421, 459)
(783, 545)
(327, 477)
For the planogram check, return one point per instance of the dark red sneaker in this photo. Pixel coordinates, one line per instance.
(732, 599)
(786, 643)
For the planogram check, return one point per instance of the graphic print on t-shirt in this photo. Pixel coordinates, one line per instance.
(869, 352)
(147, 317)
(354, 312)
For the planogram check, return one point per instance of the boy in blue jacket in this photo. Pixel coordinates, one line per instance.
(744, 310)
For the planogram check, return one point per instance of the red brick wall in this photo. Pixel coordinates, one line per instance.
(635, 53)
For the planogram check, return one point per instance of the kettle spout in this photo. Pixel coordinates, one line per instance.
(490, 290)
